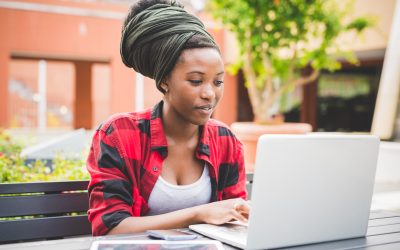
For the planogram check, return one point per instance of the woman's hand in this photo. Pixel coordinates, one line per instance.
(212, 213)
(224, 211)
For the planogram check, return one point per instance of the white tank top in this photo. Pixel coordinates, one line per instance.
(166, 197)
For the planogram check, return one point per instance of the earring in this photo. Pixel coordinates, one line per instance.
(166, 90)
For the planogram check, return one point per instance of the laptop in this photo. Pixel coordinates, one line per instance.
(307, 189)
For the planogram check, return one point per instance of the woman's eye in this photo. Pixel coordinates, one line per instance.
(219, 83)
(195, 81)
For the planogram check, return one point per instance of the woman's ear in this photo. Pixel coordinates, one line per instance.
(164, 86)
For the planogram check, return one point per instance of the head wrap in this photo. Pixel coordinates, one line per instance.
(153, 40)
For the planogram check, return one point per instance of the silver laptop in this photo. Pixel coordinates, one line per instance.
(307, 189)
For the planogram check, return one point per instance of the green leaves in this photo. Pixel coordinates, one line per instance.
(360, 24)
(14, 169)
(288, 35)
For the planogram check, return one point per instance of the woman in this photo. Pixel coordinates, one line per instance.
(170, 166)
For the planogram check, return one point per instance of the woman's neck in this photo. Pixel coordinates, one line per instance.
(176, 127)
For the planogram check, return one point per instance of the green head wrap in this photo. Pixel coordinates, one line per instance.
(153, 40)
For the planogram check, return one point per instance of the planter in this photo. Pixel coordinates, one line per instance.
(249, 132)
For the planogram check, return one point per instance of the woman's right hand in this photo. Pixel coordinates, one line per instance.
(220, 212)
(212, 213)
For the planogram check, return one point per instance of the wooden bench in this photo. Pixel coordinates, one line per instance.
(43, 210)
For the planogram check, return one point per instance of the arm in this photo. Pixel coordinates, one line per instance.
(177, 219)
(213, 213)
(110, 188)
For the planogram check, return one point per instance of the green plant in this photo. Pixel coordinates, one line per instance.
(14, 169)
(278, 38)
(7, 145)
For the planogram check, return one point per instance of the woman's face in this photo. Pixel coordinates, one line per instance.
(195, 85)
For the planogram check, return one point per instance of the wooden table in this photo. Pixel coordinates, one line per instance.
(383, 234)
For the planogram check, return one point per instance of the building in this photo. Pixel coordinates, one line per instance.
(60, 67)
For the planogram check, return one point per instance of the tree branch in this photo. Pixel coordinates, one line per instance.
(299, 82)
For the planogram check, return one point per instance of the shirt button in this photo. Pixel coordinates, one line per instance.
(155, 169)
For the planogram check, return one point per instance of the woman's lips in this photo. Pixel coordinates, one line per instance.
(205, 109)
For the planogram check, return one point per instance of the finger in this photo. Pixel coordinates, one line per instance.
(242, 208)
(238, 216)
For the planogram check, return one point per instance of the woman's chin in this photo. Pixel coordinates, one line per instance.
(201, 121)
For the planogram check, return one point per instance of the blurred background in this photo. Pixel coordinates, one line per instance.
(61, 75)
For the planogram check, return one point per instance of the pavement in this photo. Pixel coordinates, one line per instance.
(386, 196)
(387, 182)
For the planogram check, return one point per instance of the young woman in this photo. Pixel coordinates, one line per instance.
(169, 166)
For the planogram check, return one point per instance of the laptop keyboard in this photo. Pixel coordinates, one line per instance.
(232, 229)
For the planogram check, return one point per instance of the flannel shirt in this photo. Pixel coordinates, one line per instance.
(126, 157)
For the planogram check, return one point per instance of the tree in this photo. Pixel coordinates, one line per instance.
(278, 38)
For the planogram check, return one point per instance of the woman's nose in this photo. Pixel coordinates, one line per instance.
(208, 92)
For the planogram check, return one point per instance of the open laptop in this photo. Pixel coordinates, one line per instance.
(307, 189)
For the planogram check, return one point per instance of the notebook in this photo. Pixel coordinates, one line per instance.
(306, 189)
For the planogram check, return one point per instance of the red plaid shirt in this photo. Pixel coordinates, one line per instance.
(126, 157)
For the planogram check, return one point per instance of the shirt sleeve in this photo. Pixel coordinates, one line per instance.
(110, 190)
(236, 175)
